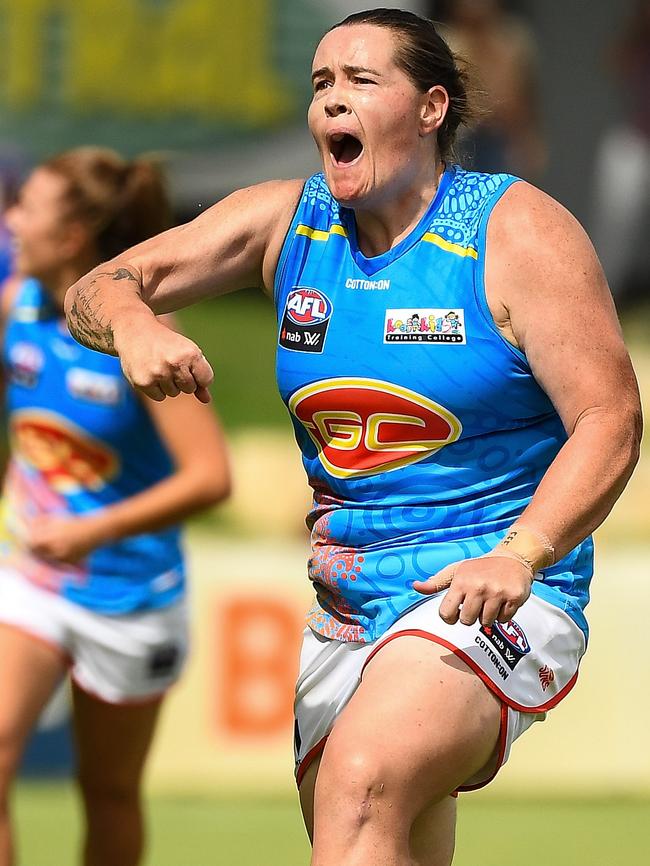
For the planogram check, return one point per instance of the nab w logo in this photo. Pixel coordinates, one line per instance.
(308, 307)
(366, 426)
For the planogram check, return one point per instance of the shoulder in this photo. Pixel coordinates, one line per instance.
(531, 225)
(540, 262)
(271, 198)
(9, 291)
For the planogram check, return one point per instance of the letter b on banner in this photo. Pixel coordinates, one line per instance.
(258, 655)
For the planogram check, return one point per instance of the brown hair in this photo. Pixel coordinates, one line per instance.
(124, 202)
(424, 56)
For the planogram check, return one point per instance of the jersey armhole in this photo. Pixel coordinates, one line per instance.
(479, 278)
(286, 246)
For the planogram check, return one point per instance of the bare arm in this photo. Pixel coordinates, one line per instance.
(550, 288)
(233, 245)
(548, 296)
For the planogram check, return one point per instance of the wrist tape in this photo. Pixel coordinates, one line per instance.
(530, 547)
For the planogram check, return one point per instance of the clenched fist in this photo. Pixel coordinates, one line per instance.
(162, 363)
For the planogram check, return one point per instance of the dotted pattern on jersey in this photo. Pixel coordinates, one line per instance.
(460, 212)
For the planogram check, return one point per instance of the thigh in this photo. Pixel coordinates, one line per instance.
(30, 670)
(418, 726)
(112, 740)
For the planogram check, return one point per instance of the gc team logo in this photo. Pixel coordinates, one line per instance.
(366, 426)
(68, 458)
(305, 320)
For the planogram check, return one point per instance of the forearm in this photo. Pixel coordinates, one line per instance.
(165, 504)
(586, 478)
(109, 295)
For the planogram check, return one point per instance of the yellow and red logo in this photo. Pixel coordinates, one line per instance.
(366, 426)
(66, 456)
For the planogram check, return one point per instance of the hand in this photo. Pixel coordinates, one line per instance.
(487, 588)
(162, 363)
(61, 539)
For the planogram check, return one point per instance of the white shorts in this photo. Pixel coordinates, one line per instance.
(122, 659)
(530, 663)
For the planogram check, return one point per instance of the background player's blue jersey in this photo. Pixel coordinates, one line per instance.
(80, 440)
(423, 432)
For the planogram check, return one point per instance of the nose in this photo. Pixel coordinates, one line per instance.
(336, 103)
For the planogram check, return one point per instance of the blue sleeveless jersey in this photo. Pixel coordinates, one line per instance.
(80, 440)
(423, 432)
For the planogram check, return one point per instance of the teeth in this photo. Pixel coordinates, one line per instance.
(338, 136)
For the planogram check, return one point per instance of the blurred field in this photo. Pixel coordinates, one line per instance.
(215, 832)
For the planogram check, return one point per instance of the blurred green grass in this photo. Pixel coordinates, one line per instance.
(210, 831)
(238, 335)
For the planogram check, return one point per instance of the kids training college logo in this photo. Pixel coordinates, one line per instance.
(425, 326)
(305, 320)
(366, 426)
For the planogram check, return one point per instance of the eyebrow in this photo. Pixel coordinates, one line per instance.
(349, 70)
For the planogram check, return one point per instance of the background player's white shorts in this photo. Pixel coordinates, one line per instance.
(530, 663)
(129, 658)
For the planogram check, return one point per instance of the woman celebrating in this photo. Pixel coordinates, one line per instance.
(461, 439)
(92, 576)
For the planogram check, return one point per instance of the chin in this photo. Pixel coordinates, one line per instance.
(346, 191)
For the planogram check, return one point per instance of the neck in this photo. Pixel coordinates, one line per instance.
(383, 225)
(57, 284)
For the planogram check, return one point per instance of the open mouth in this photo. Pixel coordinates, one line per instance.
(344, 148)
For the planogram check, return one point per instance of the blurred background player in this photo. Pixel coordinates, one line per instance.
(92, 575)
(501, 50)
(622, 178)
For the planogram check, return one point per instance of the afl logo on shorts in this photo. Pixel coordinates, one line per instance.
(367, 426)
(305, 320)
(509, 640)
(514, 634)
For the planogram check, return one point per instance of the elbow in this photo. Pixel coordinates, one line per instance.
(628, 440)
(214, 487)
(636, 426)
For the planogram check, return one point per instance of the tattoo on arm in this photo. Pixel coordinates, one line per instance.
(122, 274)
(87, 324)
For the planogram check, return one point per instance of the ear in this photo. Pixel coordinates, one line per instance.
(77, 239)
(434, 108)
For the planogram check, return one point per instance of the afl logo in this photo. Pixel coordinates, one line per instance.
(308, 307)
(366, 426)
(514, 634)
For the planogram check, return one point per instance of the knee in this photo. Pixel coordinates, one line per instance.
(106, 792)
(359, 786)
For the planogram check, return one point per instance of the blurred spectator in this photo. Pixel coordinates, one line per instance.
(501, 51)
(622, 182)
(10, 166)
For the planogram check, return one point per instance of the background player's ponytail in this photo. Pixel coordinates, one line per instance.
(424, 56)
(122, 202)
